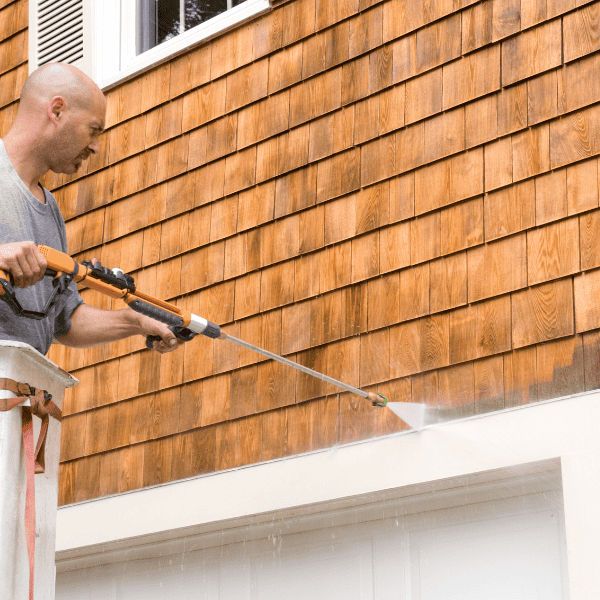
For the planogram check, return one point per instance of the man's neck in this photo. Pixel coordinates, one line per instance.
(26, 163)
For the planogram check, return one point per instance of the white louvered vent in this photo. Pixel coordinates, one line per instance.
(59, 31)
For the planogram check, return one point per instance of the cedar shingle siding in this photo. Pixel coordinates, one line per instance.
(401, 194)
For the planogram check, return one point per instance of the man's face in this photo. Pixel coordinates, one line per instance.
(77, 136)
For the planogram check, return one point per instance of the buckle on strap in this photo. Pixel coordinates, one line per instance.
(24, 389)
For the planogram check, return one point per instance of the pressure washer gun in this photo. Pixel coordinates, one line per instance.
(117, 284)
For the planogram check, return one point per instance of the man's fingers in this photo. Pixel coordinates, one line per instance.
(24, 261)
(36, 264)
(168, 343)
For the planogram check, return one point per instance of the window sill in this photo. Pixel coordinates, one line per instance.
(178, 45)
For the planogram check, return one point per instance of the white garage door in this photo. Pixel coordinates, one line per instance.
(507, 549)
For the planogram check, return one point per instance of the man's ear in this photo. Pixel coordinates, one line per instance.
(56, 108)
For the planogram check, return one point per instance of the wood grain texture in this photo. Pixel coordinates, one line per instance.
(530, 152)
(299, 18)
(586, 287)
(190, 71)
(574, 137)
(449, 181)
(380, 69)
(425, 241)
(531, 52)
(285, 68)
(588, 232)
(542, 313)
(438, 43)
(560, 368)
(354, 310)
(456, 387)
(461, 226)
(366, 31)
(204, 104)
(520, 377)
(532, 13)
(276, 386)
(494, 326)
(463, 334)
(343, 362)
(512, 108)
(472, 76)
(448, 282)
(327, 14)
(13, 51)
(338, 175)
(580, 30)
(410, 147)
(577, 84)
(497, 268)
(318, 96)
(414, 293)
(553, 251)
(498, 164)
(268, 34)
(419, 345)
(274, 435)
(378, 159)
(551, 196)
(582, 186)
(591, 358)
(247, 85)
(445, 135)
(477, 26)
(157, 461)
(510, 210)
(542, 94)
(365, 256)
(489, 384)
(231, 51)
(481, 121)
(424, 96)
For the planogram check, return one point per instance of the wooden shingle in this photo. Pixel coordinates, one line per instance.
(542, 313)
(509, 210)
(580, 32)
(477, 26)
(497, 268)
(472, 76)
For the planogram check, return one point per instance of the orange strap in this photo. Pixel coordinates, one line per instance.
(43, 407)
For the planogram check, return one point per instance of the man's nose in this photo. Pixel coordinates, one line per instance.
(94, 146)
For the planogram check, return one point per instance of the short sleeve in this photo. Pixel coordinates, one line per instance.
(65, 308)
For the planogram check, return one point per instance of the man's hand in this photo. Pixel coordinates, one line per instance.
(91, 326)
(24, 262)
(148, 326)
(151, 327)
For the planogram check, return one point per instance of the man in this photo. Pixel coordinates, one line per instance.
(60, 119)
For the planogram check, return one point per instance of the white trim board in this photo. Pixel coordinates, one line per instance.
(114, 65)
(565, 430)
(109, 38)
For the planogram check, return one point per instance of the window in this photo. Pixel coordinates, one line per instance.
(112, 40)
(162, 20)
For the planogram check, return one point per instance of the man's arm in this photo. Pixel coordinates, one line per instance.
(92, 326)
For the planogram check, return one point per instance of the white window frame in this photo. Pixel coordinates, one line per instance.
(110, 38)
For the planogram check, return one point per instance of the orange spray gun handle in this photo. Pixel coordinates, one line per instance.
(63, 271)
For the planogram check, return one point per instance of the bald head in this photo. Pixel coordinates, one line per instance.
(59, 80)
(60, 119)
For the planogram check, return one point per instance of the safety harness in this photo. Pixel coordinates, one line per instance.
(43, 407)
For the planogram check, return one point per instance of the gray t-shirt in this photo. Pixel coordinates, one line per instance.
(24, 218)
